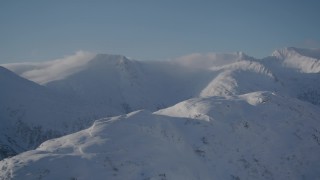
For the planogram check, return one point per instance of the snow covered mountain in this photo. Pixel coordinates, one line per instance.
(258, 135)
(304, 60)
(298, 71)
(128, 85)
(215, 116)
(31, 114)
(103, 86)
(125, 85)
(121, 85)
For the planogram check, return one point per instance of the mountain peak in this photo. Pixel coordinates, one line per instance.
(108, 59)
(109, 56)
(303, 60)
(293, 51)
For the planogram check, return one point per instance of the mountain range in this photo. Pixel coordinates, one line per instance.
(222, 116)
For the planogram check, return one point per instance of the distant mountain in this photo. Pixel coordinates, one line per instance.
(258, 135)
(125, 85)
(304, 60)
(298, 70)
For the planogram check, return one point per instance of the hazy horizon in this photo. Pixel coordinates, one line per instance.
(41, 31)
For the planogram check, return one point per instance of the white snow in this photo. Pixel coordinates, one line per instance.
(253, 136)
(304, 60)
(206, 116)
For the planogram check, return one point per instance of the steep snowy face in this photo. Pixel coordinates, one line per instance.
(253, 136)
(297, 70)
(31, 114)
(304, 60)
(17, 96)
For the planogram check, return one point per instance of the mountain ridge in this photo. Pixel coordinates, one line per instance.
(148, 105)
(165, 145)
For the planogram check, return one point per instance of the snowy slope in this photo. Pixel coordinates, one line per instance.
(304, 60)
(80, 90)
(298, 71)
(258, 135)
(240, 77)
(31, 114)
(290, 71)
(128, 85)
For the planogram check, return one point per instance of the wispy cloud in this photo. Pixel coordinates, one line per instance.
(52, 70)
(312, 43)
(205, 60)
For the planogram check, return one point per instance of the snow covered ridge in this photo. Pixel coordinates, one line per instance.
(258, 135)
(305, 60)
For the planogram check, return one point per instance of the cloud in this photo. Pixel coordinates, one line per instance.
(45, 72)
(205, 60)
(311, 43)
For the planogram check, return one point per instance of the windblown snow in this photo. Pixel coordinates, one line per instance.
(212, 116)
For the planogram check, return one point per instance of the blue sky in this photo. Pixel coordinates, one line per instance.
(154, 30)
